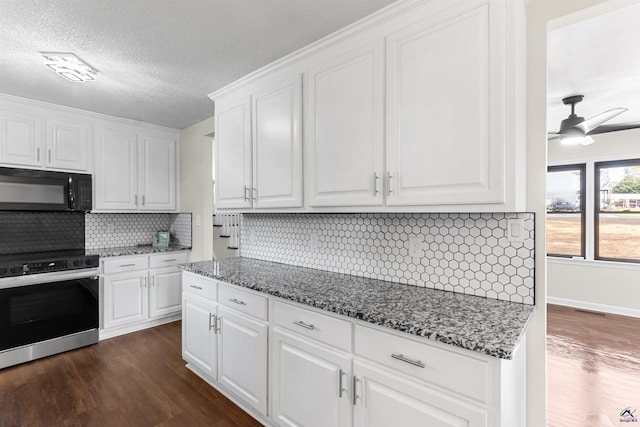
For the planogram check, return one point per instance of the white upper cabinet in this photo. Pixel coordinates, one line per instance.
(116, 163)
(134, 171)
(21, 137)
(67, 145)
(445, 95)
(277, 145)
(233, 185)
(344, 120)
(258, 143)
(157, 173)
(417, 108)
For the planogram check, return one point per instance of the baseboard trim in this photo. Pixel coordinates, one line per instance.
(611, 309)
(114, 332)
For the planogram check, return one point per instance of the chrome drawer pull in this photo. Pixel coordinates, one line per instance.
(170, 260)
(195, 287)
(304, 325)
(400, 357)
(237, 301)
(127, 265)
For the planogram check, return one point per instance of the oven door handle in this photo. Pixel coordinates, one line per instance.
(58, 276)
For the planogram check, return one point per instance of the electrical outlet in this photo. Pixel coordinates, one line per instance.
(415, 247)
(313, 242)
(515, 230)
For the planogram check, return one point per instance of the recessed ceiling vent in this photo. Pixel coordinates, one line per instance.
(69, 66)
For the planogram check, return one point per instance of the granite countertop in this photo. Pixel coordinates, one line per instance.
(474, 323)
(135, 250)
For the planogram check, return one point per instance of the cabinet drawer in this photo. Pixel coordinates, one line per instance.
(198, 285)
(246, 302)
(167, 260)
(123, 264)
(330, 330)
(447, 369)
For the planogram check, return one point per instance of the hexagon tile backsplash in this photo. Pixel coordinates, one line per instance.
(464, 253)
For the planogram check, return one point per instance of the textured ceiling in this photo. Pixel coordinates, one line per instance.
(157, 59)
(600, 58)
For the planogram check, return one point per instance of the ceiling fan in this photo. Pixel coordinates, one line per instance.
(576, 130)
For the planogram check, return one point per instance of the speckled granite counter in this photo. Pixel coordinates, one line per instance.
(484, 325)
(135, 250)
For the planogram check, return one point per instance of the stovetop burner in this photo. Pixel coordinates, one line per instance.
(21, 264)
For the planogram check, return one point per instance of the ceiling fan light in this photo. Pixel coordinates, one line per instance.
(572, 136)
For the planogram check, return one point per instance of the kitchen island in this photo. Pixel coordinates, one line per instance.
(298, 346)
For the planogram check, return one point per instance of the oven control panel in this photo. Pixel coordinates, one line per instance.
(17, 268)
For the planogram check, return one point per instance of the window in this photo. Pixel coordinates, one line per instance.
(566, 211)
(617, 210)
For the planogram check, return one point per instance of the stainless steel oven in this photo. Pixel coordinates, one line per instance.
(47, 312)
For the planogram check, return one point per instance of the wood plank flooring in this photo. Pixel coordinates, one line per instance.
(136, 380)
(593, 368)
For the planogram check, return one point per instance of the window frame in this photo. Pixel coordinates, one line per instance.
(597, 166)
(582, 167)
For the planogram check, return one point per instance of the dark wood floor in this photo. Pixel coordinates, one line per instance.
(593, 368)
(137, 380)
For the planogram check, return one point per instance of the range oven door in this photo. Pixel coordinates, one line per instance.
(35, 312)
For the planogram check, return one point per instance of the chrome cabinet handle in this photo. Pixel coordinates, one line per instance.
(304, 325)
(144, 281)
(401, 357)
(196, 287)
(341, 389)
(355, 395)
(49, 154)
(218, 324)
(246, 193)
(237, 301)
(152, 281)
(37, 154)
(212, 317)
(375, 183)
(135, 199)
(143, 202)
(254, 193)
(389, 178)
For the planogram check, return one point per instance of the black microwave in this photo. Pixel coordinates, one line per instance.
(38, 190)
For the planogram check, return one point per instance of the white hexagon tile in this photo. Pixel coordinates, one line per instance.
(464, 253)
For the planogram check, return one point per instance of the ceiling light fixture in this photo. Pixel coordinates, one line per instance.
(69, 66)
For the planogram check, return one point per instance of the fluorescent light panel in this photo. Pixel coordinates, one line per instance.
(69, 66)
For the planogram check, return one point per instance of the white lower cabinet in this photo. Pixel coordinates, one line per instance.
(289, 365)
(386, 398)
(242, 357)
(311, 383)
(136, 296)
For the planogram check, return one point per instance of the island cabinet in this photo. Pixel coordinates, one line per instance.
(258, 145)
(140, 291)
(417, 107)
(288, 364)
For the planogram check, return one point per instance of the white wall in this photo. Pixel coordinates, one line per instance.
(597, 285)
(196, 186)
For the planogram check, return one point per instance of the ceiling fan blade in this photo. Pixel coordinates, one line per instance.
(587, 141)
(595, 121)
(551, 136)
(615, 127)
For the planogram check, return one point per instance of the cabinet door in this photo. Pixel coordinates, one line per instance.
(157, 174)
(310, 383)
(344, 129)
(125, 299)
(242, 357)
(67, 145)
(384, 398)
(165, 291)
(116, 165)
(21, 139)
(445, 133)
(277, 145)
(199, 339)
(233, 186)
